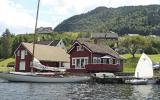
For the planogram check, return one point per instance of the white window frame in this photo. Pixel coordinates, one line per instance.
(94, 60)
(80, 48)
(110, 61)
(117, 61)
(73, 61)
(97, 60)
(22, 54)
(85, 62)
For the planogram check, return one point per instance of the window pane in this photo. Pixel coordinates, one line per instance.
(82, 63)
(78, 63)
(22, 54)
(86, 61)
(73, 61)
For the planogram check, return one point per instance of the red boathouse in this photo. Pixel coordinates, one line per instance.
(47, 55)
(89, 57)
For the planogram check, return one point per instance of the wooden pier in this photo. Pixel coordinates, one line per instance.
(121, 79)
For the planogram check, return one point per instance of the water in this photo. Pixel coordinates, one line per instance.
(77, 91)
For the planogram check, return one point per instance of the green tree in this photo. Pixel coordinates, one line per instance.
(0, 48)
(6, 43)
(134, 43)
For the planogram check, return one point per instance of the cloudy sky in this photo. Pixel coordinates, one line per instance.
(19, 15)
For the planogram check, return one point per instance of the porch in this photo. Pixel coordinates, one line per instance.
(103, 67)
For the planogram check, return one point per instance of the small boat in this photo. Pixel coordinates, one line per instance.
(143, 72)
(103, 75)
(42, 78)
(137, 81)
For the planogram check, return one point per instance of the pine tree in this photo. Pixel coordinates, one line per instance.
(6, 44)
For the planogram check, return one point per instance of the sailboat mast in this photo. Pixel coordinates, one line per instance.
(34, 39)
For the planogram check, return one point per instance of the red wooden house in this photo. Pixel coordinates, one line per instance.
(89, 57)
(47, 55)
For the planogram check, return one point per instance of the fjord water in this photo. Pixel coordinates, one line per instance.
(77, 91)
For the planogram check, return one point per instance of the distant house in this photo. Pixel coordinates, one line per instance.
(102, 38)
(133, 34)
(44, 30)
(109, 35)
(47, 55)
(56, 43)
(88, 57)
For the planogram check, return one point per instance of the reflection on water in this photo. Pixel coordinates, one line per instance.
(80, 91)
(143, 92)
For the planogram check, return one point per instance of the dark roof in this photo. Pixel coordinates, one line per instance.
(49, 42)
(108, 35)
(44, 30)
(104, 49)
(44, 42)
(54, 43)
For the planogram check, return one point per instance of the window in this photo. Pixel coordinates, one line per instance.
(94, 60)
(80, 48)
(73, 61)
(104, 61)
(22, 54)
(114, 61)
(80, 62)
(86, 61)
(110, 61)
(98, 60)
(117, 62)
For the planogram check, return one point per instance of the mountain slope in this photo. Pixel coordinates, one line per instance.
(123, 20)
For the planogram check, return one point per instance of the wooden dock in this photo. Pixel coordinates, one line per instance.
(121, 79)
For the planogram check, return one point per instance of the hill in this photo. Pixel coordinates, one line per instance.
(143, 20)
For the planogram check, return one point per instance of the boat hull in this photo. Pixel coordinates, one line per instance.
(140, 81)
(42, 79)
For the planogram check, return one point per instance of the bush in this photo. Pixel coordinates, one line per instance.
(151, 50)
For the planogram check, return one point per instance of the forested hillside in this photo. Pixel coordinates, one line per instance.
(142, 20)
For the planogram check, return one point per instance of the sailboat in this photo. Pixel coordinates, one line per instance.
(60, 77)
(144, 71)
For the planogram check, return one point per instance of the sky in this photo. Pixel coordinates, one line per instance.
(19, 15)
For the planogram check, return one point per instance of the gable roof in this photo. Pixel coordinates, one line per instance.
(104, 49)
(47, 53)
(55, 42)
(108, 35)
(49, 42)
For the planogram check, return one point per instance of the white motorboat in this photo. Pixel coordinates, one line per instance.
(143, 72)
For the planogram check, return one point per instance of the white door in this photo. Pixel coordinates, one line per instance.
(22, 65)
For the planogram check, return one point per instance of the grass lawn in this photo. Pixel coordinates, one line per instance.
(4, 63)
(130, 63)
